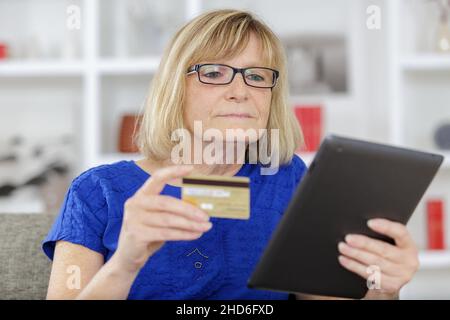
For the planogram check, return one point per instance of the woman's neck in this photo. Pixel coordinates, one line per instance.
(217, 169)
(230, 161)
(223, 169)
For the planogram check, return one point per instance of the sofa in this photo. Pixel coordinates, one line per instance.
(24, 269)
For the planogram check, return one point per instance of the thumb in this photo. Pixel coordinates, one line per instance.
(161, 177)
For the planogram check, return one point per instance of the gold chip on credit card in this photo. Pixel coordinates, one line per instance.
(219, 196)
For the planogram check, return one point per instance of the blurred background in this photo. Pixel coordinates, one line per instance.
(74, 76)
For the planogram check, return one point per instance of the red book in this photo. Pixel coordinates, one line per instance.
(435, 224)
(128, 124)
(3, 51)
(310, 119)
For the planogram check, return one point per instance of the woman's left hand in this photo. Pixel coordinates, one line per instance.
(396, 263)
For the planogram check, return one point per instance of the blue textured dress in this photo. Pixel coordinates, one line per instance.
(215, 266)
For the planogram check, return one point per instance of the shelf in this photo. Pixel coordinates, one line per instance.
(77, 68)
(129, 66)
(35, 68)
(319, 98)
(434, 259)
(426, 62)
(446, 163)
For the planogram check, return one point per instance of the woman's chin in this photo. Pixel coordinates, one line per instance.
(230, 125)
(234, 131)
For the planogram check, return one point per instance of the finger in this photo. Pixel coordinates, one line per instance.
(378, 247)
(173, 221)
(174, 205)
(156, 182)
(354, 266)
(388, 283)
(370, 259)
(395, 230)
(167, 234)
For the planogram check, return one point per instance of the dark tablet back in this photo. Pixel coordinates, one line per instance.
(349, 182)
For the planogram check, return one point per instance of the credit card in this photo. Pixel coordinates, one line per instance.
(219, 196)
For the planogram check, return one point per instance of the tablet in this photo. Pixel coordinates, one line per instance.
(348, 182)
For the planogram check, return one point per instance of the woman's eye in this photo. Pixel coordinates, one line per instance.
(212, 74)
(255, 77)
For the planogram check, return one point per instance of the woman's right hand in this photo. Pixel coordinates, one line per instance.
(151, 219)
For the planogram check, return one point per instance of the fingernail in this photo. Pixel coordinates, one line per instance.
(208, 225)
(374, 223)
(349, 238)
(341, 245)
(203, 216)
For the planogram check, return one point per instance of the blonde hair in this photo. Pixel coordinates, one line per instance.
(213, 35)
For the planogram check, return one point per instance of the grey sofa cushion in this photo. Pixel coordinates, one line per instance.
(24, 269)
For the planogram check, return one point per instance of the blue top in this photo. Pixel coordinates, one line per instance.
(215, 266)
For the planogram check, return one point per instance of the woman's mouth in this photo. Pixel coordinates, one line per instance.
(236, 115)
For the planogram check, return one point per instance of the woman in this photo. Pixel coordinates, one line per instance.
(123, 231)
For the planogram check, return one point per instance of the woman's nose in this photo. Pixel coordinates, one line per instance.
(237, 90)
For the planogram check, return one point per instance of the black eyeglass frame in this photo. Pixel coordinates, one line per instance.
(196, 67)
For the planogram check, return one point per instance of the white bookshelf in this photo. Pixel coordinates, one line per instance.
(93, 67)
(103, 65)
(425, 62)
(104, 68)
(108, 68)
(147, 65)
(98, 68)
(127, 66)
(37, 68)
(434, 260)
(418, 79)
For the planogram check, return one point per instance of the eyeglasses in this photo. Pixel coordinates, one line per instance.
(221, 74)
